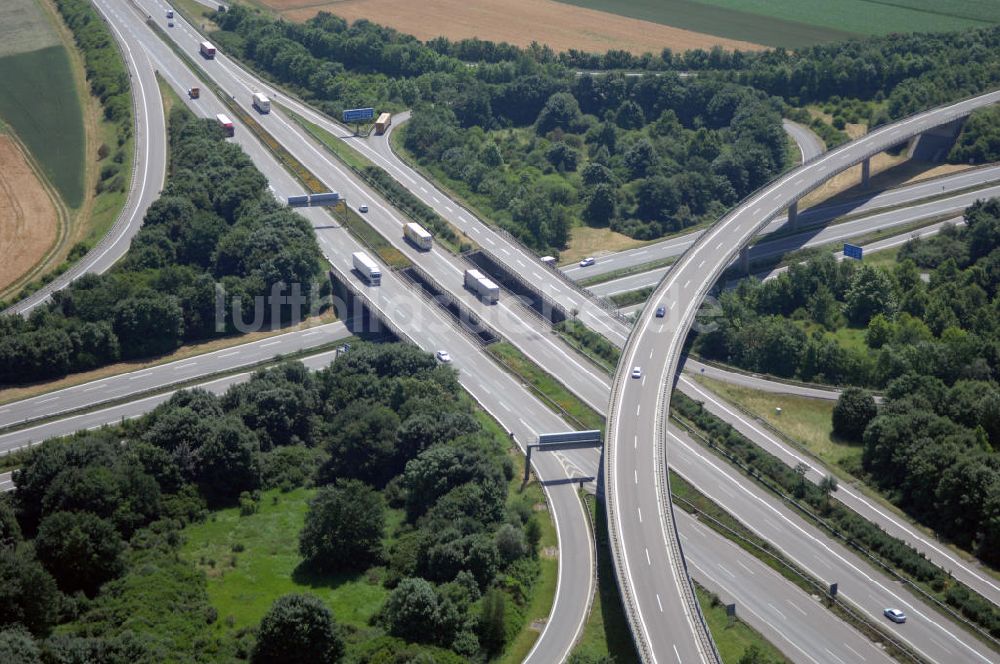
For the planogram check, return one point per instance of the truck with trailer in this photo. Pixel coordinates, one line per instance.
(484, 288)
(227, 125)
(418, 236)
(207, 50)
(194, 93)
(367, 268)
(382, 123)
(261, 102)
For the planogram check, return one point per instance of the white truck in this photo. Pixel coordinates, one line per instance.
(418, 235)
(484, 288)
(261, 102)
(207, 49)
(367, 268)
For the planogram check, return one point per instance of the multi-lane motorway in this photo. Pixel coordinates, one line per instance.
(486, 382)
(637, 442)
(821, 214)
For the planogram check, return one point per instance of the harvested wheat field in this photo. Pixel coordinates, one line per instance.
(519, 22)
(28, 218)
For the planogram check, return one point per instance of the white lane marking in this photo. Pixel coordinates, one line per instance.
(637, 406)
(231, 353)
(700, 264)
(184, 366)
(435, 199)
(678, 655)
(745, 568)
(270, 343)
(649, 561)
(640, 514)
(463, 220)
(635, 474)
(860, 656)
(834, 656)
(448, 208)
(659, 603)
(503, 405)
(723, 568)
(95, 387)
(423, 189)
(490, 240)
(775, 609)
(796, 607)
(686, 284)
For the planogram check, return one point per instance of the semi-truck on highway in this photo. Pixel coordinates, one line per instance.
(367, 268)
(227, 125)
(261, 103)
(418, 235)
(382, 123)
(486, 290)
(207, 50)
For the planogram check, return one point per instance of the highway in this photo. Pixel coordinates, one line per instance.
(426, 326)
(657, 344)
(805, 628)
(818, 236)
(148, 173)
(323, 233)
(810, 145)
(818, 215)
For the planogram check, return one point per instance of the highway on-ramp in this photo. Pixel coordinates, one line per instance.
(648, 561)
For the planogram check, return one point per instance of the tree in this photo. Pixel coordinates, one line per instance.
(411, 611)
(148, 325)
(17, 647)
(630, 115)
(563, 157)
(640, 159)
(363, 444)
(10, 529)
(492, 632)
(344, 527)
(28, 594)
(599, 208)
(854, 410)
(226, 462)
(80, 550)
(754, 655)
(871, 292)
(828, 485)
(561, 110)
(297, 629)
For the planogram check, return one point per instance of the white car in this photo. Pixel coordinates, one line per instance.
(895, 615)
(443, 356)
(362, 208)
(587, 262)
(636, 372)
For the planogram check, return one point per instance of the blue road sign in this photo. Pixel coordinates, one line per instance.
(358, 114)
(852, 251)
(592, 436)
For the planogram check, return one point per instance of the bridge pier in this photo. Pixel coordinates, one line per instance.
(866, 173)
(793, 215)
(745, 260)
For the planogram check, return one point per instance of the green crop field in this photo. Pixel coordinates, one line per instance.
(24, 27)
(794, 23)
(40, 102)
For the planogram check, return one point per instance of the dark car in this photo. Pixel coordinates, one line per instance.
(661, 311)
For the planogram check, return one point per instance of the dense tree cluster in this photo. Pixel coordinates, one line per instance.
(215, 222)
(979, 141)
(932, 344)
(656, 154)
(946, 326)
(93, 523)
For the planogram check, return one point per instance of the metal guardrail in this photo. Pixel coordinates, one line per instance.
(880, 142)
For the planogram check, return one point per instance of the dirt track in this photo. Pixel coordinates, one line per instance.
(518, 22)
(28, 218)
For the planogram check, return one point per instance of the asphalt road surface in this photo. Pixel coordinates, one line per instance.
(657, 344)
(814, 216)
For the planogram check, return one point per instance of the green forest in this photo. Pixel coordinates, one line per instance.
(90, 539)
(539, 148)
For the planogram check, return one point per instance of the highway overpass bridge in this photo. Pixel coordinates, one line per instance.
(659, 600)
